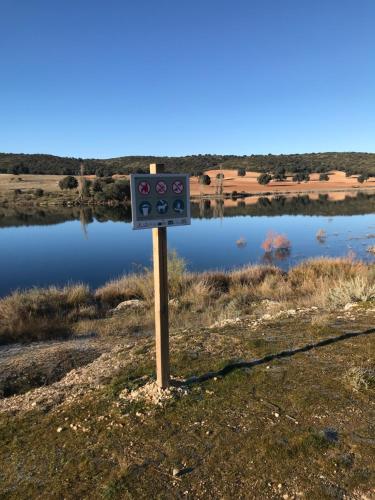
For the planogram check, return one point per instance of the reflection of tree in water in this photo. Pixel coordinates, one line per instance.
(85, 218)
(204, 207)
(276, 255)
(219, 208)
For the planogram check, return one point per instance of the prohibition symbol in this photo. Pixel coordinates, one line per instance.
(178, 187)
(144, 187)
(161, 187)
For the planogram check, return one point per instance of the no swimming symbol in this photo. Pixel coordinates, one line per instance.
(177, 187)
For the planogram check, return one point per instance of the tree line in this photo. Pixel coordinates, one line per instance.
(352, 163)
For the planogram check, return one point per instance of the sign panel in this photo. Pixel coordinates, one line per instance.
(160, 200)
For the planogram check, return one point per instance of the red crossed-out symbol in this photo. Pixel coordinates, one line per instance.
(178, 187)
(161, 187)
(144, 187)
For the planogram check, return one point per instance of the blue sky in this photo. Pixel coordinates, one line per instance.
(108, 78)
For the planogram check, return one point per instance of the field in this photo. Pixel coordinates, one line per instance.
(27, 185)
(272, 397)
(337, 182)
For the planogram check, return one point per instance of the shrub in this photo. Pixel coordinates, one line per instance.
(357, 289)
(361, 377)
(241, 172)
(264, 179)
(324, 177)
(39, 192)
(97, 186)
(275, 241)
(280, 175)
(205, 180)
(362, 178)
(68, 182)
(118, 191)
(321, 236)
(301, 177)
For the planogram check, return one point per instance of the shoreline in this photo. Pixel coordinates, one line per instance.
(43, 190)
(68, 202)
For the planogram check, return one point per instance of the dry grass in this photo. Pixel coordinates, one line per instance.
(361, 377)
(197, 299)
(39, 314)
(358, 289)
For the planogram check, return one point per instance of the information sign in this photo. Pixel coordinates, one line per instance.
(160, 200)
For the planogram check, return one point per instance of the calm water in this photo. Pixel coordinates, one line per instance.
(41, 248)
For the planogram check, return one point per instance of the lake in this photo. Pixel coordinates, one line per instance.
(46, 247)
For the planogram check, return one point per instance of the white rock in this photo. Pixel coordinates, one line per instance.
(128, 304)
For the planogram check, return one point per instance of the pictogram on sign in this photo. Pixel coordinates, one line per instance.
(144, 188)
(145, 208)
(177, 187)
(178, 206)
(161, 187)
(160, 200)
(162, 207)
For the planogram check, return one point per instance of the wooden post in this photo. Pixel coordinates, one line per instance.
(159, 243)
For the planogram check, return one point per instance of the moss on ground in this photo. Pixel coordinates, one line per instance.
(288, 427)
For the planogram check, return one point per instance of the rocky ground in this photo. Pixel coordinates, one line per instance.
(275, 406)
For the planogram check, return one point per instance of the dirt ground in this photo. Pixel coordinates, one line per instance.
(296, 423)
(9, 182)
(249, 184)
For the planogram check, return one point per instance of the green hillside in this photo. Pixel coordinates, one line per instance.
(357, 163)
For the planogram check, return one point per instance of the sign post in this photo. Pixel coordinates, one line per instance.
(159, 201)
(160, 257)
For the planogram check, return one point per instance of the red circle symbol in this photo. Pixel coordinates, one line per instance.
(178, 187)
(161, 187)
(144, 187)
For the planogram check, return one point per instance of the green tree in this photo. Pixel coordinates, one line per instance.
(205, 180)
(301, 177)
(280, 174)
(97, 186)
(68, 182)
(362, 178)
(264, 179)
(102, 172)
(118, 191)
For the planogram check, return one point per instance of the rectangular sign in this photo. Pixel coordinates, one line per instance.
(160, 200)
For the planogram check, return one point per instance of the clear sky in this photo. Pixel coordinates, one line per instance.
(108, 78)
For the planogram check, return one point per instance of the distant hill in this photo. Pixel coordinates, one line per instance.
(356, 163)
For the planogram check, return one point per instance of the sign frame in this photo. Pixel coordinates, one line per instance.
(172, 219)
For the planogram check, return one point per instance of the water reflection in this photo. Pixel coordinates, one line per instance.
(203, 208)
(41, 247)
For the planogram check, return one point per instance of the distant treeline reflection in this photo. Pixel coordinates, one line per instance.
(362, 203)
